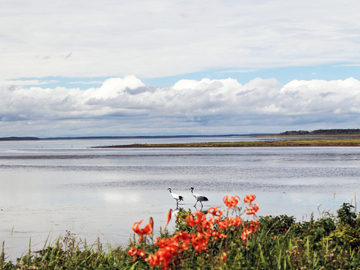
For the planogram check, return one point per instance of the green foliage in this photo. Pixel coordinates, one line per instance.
(180, 224)
(278, 224)
(279, 243)
(346, 216)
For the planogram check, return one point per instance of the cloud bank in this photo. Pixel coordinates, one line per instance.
(167, 38)
(127, 106)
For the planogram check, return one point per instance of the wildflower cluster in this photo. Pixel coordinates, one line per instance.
(218, 242)
(200, 234)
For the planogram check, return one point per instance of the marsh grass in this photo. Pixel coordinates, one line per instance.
(267, 143)
(329, 242)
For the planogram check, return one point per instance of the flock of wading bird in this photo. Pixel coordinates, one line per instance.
(198, 198)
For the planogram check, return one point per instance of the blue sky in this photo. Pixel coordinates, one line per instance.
(282, 74)
(77, 68)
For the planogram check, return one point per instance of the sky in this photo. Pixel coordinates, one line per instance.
(129, 68)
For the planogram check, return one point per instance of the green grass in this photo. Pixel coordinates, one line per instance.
(267, 143)
(281, 242)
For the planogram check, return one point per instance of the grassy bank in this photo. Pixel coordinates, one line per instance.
(229, 238)
(272, 143)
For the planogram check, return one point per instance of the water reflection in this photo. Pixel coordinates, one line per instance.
(205, 211)
(102, 192)
(176, 211)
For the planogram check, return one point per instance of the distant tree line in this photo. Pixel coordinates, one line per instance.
(323, 132)
(18, 138)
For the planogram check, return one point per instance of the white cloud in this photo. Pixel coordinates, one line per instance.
(161, 38)
(126, 106)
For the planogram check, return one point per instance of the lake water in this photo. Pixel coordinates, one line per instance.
(50, 187)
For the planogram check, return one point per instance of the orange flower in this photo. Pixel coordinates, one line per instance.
(199, 241)
(132, 251)
(252, 209)
(232, 202)
(172, 247)
(236, 221)
(224, 256)
(192, 222)
(164, 257)
(206, 224)
(246, 231)
(218, 235)
(223, 224)
(148, 229)
(244, 234)
(215, 211)
(163, 242)
(168, 217)
(153, 260)
(252, 225)
(141, 253)
(249, 198)
(184, 238)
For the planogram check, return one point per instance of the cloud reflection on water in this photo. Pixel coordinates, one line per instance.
(105, 196)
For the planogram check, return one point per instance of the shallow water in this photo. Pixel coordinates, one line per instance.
(50, 187)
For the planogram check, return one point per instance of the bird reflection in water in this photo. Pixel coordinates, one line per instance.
(205, 211)
(177, 210)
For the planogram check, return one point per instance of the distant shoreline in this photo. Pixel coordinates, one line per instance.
(277, 143)
(331, 134)
(131, 137)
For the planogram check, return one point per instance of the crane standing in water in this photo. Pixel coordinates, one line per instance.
(176, 197)
(199, 198)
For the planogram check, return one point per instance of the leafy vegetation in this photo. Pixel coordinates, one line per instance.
(217, 240)
(323, 132)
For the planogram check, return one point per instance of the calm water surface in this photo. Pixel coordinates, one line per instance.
(50, 187)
